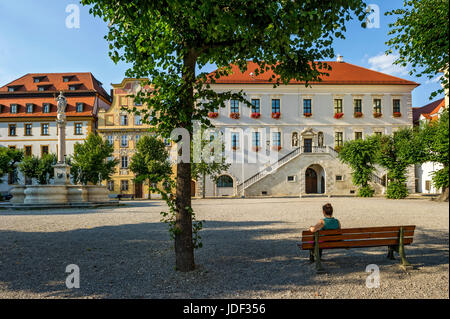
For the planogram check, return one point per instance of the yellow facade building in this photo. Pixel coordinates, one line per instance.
(123, 130)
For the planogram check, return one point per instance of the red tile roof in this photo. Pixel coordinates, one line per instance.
(428, 109)
(55, 81)
(341, 73)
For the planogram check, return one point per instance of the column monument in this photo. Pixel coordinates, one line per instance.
(61, 168)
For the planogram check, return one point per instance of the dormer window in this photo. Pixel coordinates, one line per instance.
(13, 108)
(46, 108)
(29, 108)
(67, 78)
(38, 79)
(11, 89)
(73, 87)
(79, 107)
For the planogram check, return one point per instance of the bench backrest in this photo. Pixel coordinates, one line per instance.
(359, 237)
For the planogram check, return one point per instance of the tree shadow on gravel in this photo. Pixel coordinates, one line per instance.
(239, 259)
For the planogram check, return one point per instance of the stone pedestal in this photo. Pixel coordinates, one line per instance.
(77, 194)
(62, 174)
(97, 193)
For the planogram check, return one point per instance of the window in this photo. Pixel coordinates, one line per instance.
(291, 179)
(78, 128)
(338, 139)
(12, 147)
(73, 87)
(234, 106)
(110, 139)
(124, 141)
(28, 129)
(44, 129)
(111, 186)
(307, 106)
(124, 185)
(36, 80)
(12, 130)
(255, 139)
(29, 108)
(234, 140)
(358, 135)
(79, 107)
(339, 178)
(66, 79)
(41, 88)
(357, 106)
(396, 106)
(256, 106)
(338, 106)
(137, 120)
(28, 150)
(46, 108)
(11, 89)
(275, 105)
(44, 150)
(13, 108)
(276, 138)
(377, 105)
(224, 181)
(124, 120)
(378, 133)
(137, 137)
(124, 162)
(428, 186)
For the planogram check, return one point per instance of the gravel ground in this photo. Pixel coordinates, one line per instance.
(249, 251)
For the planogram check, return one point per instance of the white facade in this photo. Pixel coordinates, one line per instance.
(293, 122)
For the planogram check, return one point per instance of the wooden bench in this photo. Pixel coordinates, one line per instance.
(394, 237)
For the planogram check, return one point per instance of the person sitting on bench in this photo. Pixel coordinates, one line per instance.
(327, 223)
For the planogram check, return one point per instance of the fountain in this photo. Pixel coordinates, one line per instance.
(61, 193)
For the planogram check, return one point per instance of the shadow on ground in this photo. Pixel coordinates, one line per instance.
(137, 261)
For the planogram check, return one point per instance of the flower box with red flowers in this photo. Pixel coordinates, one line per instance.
(213, 115)
(376, 114)
(255, 148)
(276, 148)
(397, 114)
(338, 115)
(358, 114)
(307, 114)
(255, 115)
(235, 116)
(276, 115)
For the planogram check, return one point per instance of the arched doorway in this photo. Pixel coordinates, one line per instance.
(225, 185)
(315, 180)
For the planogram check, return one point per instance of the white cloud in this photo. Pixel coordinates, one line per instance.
(385, 64)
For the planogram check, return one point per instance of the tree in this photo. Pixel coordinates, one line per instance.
(420, 35)
(360, 155)
(91, 161)
(151, 162)
(397, 152)
(166, 41)
(436, 142)
(213, 162)
(9, 158)
(39, 168)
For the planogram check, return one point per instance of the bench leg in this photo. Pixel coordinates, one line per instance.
(311, 255)
(405, 265)
(319, 268)
(390, 255)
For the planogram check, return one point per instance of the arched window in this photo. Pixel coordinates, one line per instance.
(295, 139)
(224, 181)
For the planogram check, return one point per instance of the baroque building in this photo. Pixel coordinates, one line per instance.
(28, 113)
(287, 143)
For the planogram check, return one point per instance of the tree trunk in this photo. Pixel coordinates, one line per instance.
(184, 248)
(204, 186)
(149, 190)
(444, 195)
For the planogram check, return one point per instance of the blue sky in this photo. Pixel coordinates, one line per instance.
(34, 39)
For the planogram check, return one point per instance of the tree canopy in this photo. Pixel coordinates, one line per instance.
(9, 158)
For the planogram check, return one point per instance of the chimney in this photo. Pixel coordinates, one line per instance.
(340, 58)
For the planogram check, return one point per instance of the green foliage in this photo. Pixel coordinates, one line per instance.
(396, 153)
(360, 155)
(91, 161)
(9, 158)
(39, 168)
(420, 35)
(436, 143)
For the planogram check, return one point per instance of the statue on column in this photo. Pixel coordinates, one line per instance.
(62, 104)
(62, 170)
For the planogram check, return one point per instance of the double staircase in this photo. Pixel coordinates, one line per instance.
(283, 161)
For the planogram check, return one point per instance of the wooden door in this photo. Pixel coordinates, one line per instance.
(138, 190)
(307, 145)
(311, 181)
(192, 188)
